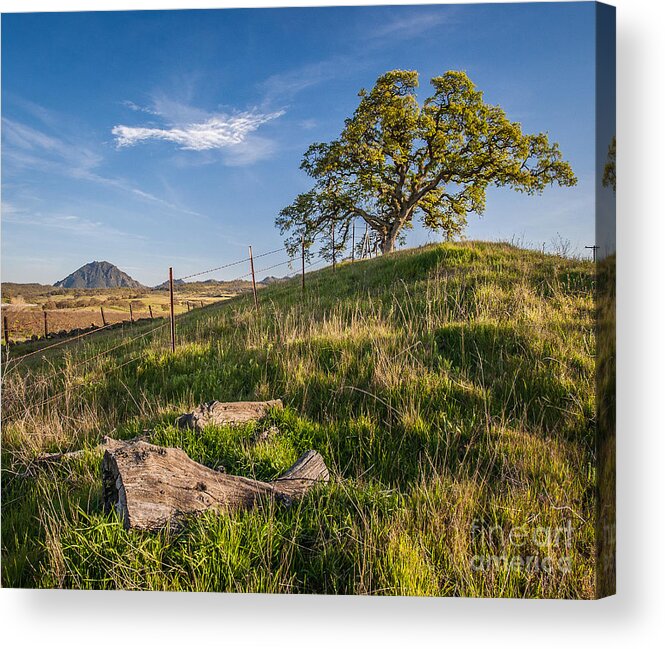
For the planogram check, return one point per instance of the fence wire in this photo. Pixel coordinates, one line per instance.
(87, 360)
(129, 340)
(104, 352)
(229, 265)
(13, 362)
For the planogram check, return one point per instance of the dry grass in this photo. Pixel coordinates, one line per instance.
(79, 309)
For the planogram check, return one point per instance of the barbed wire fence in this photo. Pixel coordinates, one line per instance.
(111, 317)
(250, 276)
(366, 247)
(88, 337)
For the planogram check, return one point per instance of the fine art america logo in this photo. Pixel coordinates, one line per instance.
(522, 548)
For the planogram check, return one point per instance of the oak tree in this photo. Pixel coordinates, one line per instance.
(397, 160)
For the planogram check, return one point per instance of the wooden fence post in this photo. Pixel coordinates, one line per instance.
(353, 241)
(201, 303)
(172, 310)
(6, 328)
(334, 260)
(188, 307)
(150, 309)
(251, 265)
(131, 312)
(45, 325)
(303, 262)
(101, 308)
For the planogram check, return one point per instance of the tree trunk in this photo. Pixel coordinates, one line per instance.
(151, 486)
(389, 238)
(388, 241)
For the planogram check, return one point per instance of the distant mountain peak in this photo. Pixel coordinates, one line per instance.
(271, 279)
(98, 274)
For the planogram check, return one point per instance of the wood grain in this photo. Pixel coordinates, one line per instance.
(151, 486)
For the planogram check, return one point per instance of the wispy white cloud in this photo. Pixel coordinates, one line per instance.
(176, 112)
(369, 43)
(74, 225)
(9, 209)
(28, 148)
(251, 150)
(46, 116)
(137, 108)
(25, 146)
(155, 199)
(308, 124)
(216, 132)
(284, 86)
(411, 24)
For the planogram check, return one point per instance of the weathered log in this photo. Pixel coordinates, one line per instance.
(151, 486)
(223, 414)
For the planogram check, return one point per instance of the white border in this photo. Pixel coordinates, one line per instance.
(633, 617)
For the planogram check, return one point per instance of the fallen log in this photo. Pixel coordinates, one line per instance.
(151, 487)
(227, 413)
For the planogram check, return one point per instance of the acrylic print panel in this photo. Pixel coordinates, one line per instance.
(310, 300)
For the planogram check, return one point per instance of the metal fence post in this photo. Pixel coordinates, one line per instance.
(45, 325)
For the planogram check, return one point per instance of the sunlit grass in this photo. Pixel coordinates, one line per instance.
(448, 388)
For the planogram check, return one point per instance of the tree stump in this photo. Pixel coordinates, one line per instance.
(151, 486)
(223, 414)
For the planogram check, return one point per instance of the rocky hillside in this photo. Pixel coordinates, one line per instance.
(98, 274)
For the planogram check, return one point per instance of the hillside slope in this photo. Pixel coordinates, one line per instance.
(98, 274)
(449, 388)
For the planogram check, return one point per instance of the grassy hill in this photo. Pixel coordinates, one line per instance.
(449, 388)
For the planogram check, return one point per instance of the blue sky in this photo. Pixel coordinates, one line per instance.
(173, 138)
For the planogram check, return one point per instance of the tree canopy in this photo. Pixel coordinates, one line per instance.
(397, 160)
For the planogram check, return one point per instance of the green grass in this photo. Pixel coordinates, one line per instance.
(450, 390)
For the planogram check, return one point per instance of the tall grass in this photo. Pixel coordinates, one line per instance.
(450, 390)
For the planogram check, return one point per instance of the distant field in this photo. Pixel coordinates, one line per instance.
(68, 309)
(24, 323)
